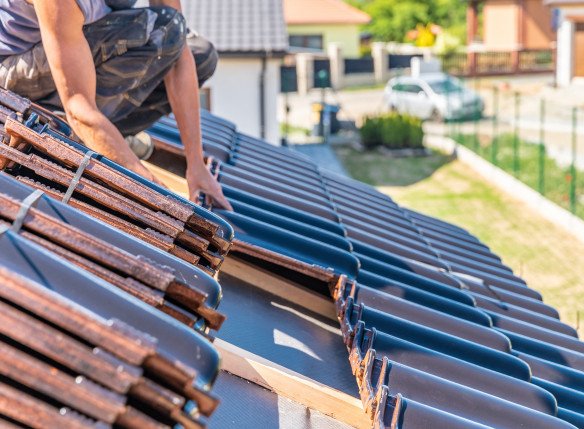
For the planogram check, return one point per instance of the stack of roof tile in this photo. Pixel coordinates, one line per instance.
(441, 333)
(100, 326)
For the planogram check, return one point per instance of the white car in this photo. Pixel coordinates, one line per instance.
(435, 96)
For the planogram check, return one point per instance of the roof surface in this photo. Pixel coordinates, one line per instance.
(434, 322)
(104, 322)
(299, 12)
(239, 26)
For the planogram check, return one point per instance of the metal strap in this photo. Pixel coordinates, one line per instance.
(75, 181)
(25, 206)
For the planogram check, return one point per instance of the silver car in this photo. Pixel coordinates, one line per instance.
(435, 96)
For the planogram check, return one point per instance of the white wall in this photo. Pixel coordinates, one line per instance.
(565, 55)
(235, 95)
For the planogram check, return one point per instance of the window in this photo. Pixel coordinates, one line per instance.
(314, 41)
(414, 89)
(445, 86)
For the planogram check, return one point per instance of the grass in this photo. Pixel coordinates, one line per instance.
(547, 257)
(377, 168)
(364, 87)
(526, 167)
(293, 129)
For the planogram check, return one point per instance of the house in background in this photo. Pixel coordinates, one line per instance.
(314, 24)
(251, 38)
(569, 21)
(510, 25)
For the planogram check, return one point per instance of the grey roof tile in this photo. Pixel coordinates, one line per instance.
(239, 26)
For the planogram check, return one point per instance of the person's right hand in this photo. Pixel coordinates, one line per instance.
(200, 180)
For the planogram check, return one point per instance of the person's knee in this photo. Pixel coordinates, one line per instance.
(205, 55)
(173, 29)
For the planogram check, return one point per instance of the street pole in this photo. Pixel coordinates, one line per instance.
(516, 166)
(494, 142)
(542, 147)
(573, 172)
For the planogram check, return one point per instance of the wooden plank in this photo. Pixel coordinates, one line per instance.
(276, 285)
(174, 182)
(292, 385)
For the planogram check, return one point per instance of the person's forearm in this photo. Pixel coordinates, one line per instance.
(101, 136)
(181, 80)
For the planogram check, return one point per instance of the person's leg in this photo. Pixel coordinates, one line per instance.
(157, 104)
(28, 74)
(133, 50)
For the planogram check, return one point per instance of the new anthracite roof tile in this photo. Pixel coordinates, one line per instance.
(447, 282)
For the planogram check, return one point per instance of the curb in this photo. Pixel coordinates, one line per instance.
(511, 186)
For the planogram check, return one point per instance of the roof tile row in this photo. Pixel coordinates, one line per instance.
(424, 302)
(97, 324)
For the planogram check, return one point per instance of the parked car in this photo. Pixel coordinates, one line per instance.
(435, 96)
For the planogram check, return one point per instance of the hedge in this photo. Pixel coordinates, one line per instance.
(392, 130)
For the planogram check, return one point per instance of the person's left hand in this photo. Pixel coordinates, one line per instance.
(200, 180)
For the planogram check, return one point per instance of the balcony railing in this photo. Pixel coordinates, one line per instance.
(493, 63)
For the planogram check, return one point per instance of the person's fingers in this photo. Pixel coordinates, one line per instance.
(194, 197)
(223, 202)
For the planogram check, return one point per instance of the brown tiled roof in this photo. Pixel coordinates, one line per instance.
(100, 328)
(299, 12)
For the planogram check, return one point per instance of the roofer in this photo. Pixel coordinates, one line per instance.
(114, 70)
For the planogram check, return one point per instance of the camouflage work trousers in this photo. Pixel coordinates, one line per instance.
(133, 50)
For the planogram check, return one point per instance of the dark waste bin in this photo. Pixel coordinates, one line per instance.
(322, 112)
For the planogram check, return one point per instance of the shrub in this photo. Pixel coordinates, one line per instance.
(392, 130)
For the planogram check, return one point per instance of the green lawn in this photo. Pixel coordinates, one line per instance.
(524, 161)
(549, 259)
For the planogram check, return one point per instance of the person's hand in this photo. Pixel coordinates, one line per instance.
(200, 180)
(139, 168)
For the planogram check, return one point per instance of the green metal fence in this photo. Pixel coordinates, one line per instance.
(532, 138)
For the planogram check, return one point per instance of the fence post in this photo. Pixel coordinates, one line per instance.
(494, 140)
(305, 70)
(477, 118)
(542, 147)
(337, 62)
(573, 171)
(516, 165)
(380, 61)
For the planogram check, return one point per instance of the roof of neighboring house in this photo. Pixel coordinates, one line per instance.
(299, 12)
(239, 26)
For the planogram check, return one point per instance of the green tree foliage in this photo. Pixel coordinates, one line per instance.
(392, 19)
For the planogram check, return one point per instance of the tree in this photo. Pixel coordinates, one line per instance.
(392, 19)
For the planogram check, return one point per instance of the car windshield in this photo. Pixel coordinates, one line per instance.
(445, 86)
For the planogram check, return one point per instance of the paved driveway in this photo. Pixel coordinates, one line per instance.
(356, 104)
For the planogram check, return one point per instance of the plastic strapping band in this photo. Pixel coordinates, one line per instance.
(75, 181)
(25, 206)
